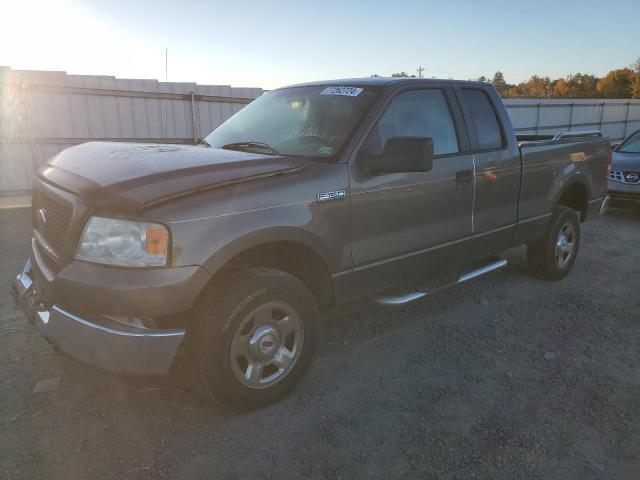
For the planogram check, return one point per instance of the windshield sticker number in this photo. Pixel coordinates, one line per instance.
(344, 91)
(325, 150)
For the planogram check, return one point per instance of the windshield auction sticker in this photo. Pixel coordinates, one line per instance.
(344, 91)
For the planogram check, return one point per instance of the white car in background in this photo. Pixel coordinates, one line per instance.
(624, 179)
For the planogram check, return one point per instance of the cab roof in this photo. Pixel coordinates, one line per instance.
(382, 82)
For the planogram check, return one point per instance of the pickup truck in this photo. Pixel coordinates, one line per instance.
(218, 257)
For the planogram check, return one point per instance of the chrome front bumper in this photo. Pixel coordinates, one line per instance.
(110, 346)
(604, 206)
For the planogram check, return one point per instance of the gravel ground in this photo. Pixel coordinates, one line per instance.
(507, 377)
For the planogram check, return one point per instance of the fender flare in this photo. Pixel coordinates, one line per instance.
(268, 235)
(575, 178)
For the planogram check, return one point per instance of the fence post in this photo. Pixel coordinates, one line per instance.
(601, 116)
(193, 117)
(571, 116)
(626, 122)
(27, 104)
(538, 118)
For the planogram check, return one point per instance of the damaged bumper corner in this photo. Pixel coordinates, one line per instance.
(104, 343)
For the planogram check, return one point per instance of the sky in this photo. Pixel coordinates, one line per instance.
(273, 43)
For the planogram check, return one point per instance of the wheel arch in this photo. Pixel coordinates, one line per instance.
(575, 194)
(297, 252)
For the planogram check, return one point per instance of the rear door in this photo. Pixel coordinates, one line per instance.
(497, 169)
(405, 225)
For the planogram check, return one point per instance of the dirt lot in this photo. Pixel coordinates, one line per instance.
(508, 377)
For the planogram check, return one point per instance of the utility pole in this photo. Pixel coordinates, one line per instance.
(166, 99)
(420, 70)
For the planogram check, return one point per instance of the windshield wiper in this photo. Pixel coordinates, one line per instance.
(248, 146)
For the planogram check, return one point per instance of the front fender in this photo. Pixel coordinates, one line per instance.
(253, 239)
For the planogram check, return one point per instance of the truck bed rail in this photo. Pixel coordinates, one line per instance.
(580, 134)
(524, 140)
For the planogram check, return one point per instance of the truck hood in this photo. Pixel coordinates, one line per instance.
(625, 162)
(129, 177)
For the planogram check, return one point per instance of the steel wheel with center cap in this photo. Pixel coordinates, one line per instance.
(267, 345)
(553, 255)
(253, 337)
(565, 245)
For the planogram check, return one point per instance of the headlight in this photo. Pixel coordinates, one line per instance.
(122, 242)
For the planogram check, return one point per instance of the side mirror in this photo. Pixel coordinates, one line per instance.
(403, 154)
(614, 146)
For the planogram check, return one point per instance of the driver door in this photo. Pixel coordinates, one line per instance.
(407, 225)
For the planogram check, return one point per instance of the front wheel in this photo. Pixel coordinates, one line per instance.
(253, 337)
(552, 256)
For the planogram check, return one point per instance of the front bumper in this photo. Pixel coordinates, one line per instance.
(623, 192)
(102, 342)
(597, 207)
(104, 290)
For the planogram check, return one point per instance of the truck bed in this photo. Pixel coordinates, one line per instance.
(547, 159)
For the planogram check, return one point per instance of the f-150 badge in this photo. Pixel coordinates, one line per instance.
(326, 196)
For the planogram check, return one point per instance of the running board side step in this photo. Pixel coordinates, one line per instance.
(495, 263)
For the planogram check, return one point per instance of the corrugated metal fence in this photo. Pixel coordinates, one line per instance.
(614, 118)
(41, 113)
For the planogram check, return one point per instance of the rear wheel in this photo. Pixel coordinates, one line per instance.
(552, 256)
(253, 338)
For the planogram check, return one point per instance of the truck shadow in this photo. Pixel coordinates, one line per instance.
(624, 212)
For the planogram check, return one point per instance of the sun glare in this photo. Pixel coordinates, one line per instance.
(35, 30)
(60, 35)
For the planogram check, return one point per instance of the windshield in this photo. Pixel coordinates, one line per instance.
(301, 121)
(632, 145)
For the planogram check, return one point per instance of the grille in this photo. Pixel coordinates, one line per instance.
(632, 178)
(58, 217)
(616, 176)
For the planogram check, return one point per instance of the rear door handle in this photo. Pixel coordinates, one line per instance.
(464, 178)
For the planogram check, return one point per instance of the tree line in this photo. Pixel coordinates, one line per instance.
(619, 83)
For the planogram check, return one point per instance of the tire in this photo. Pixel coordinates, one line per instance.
(269, 320)
(552, 256)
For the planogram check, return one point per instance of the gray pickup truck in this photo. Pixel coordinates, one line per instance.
(219, 256)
